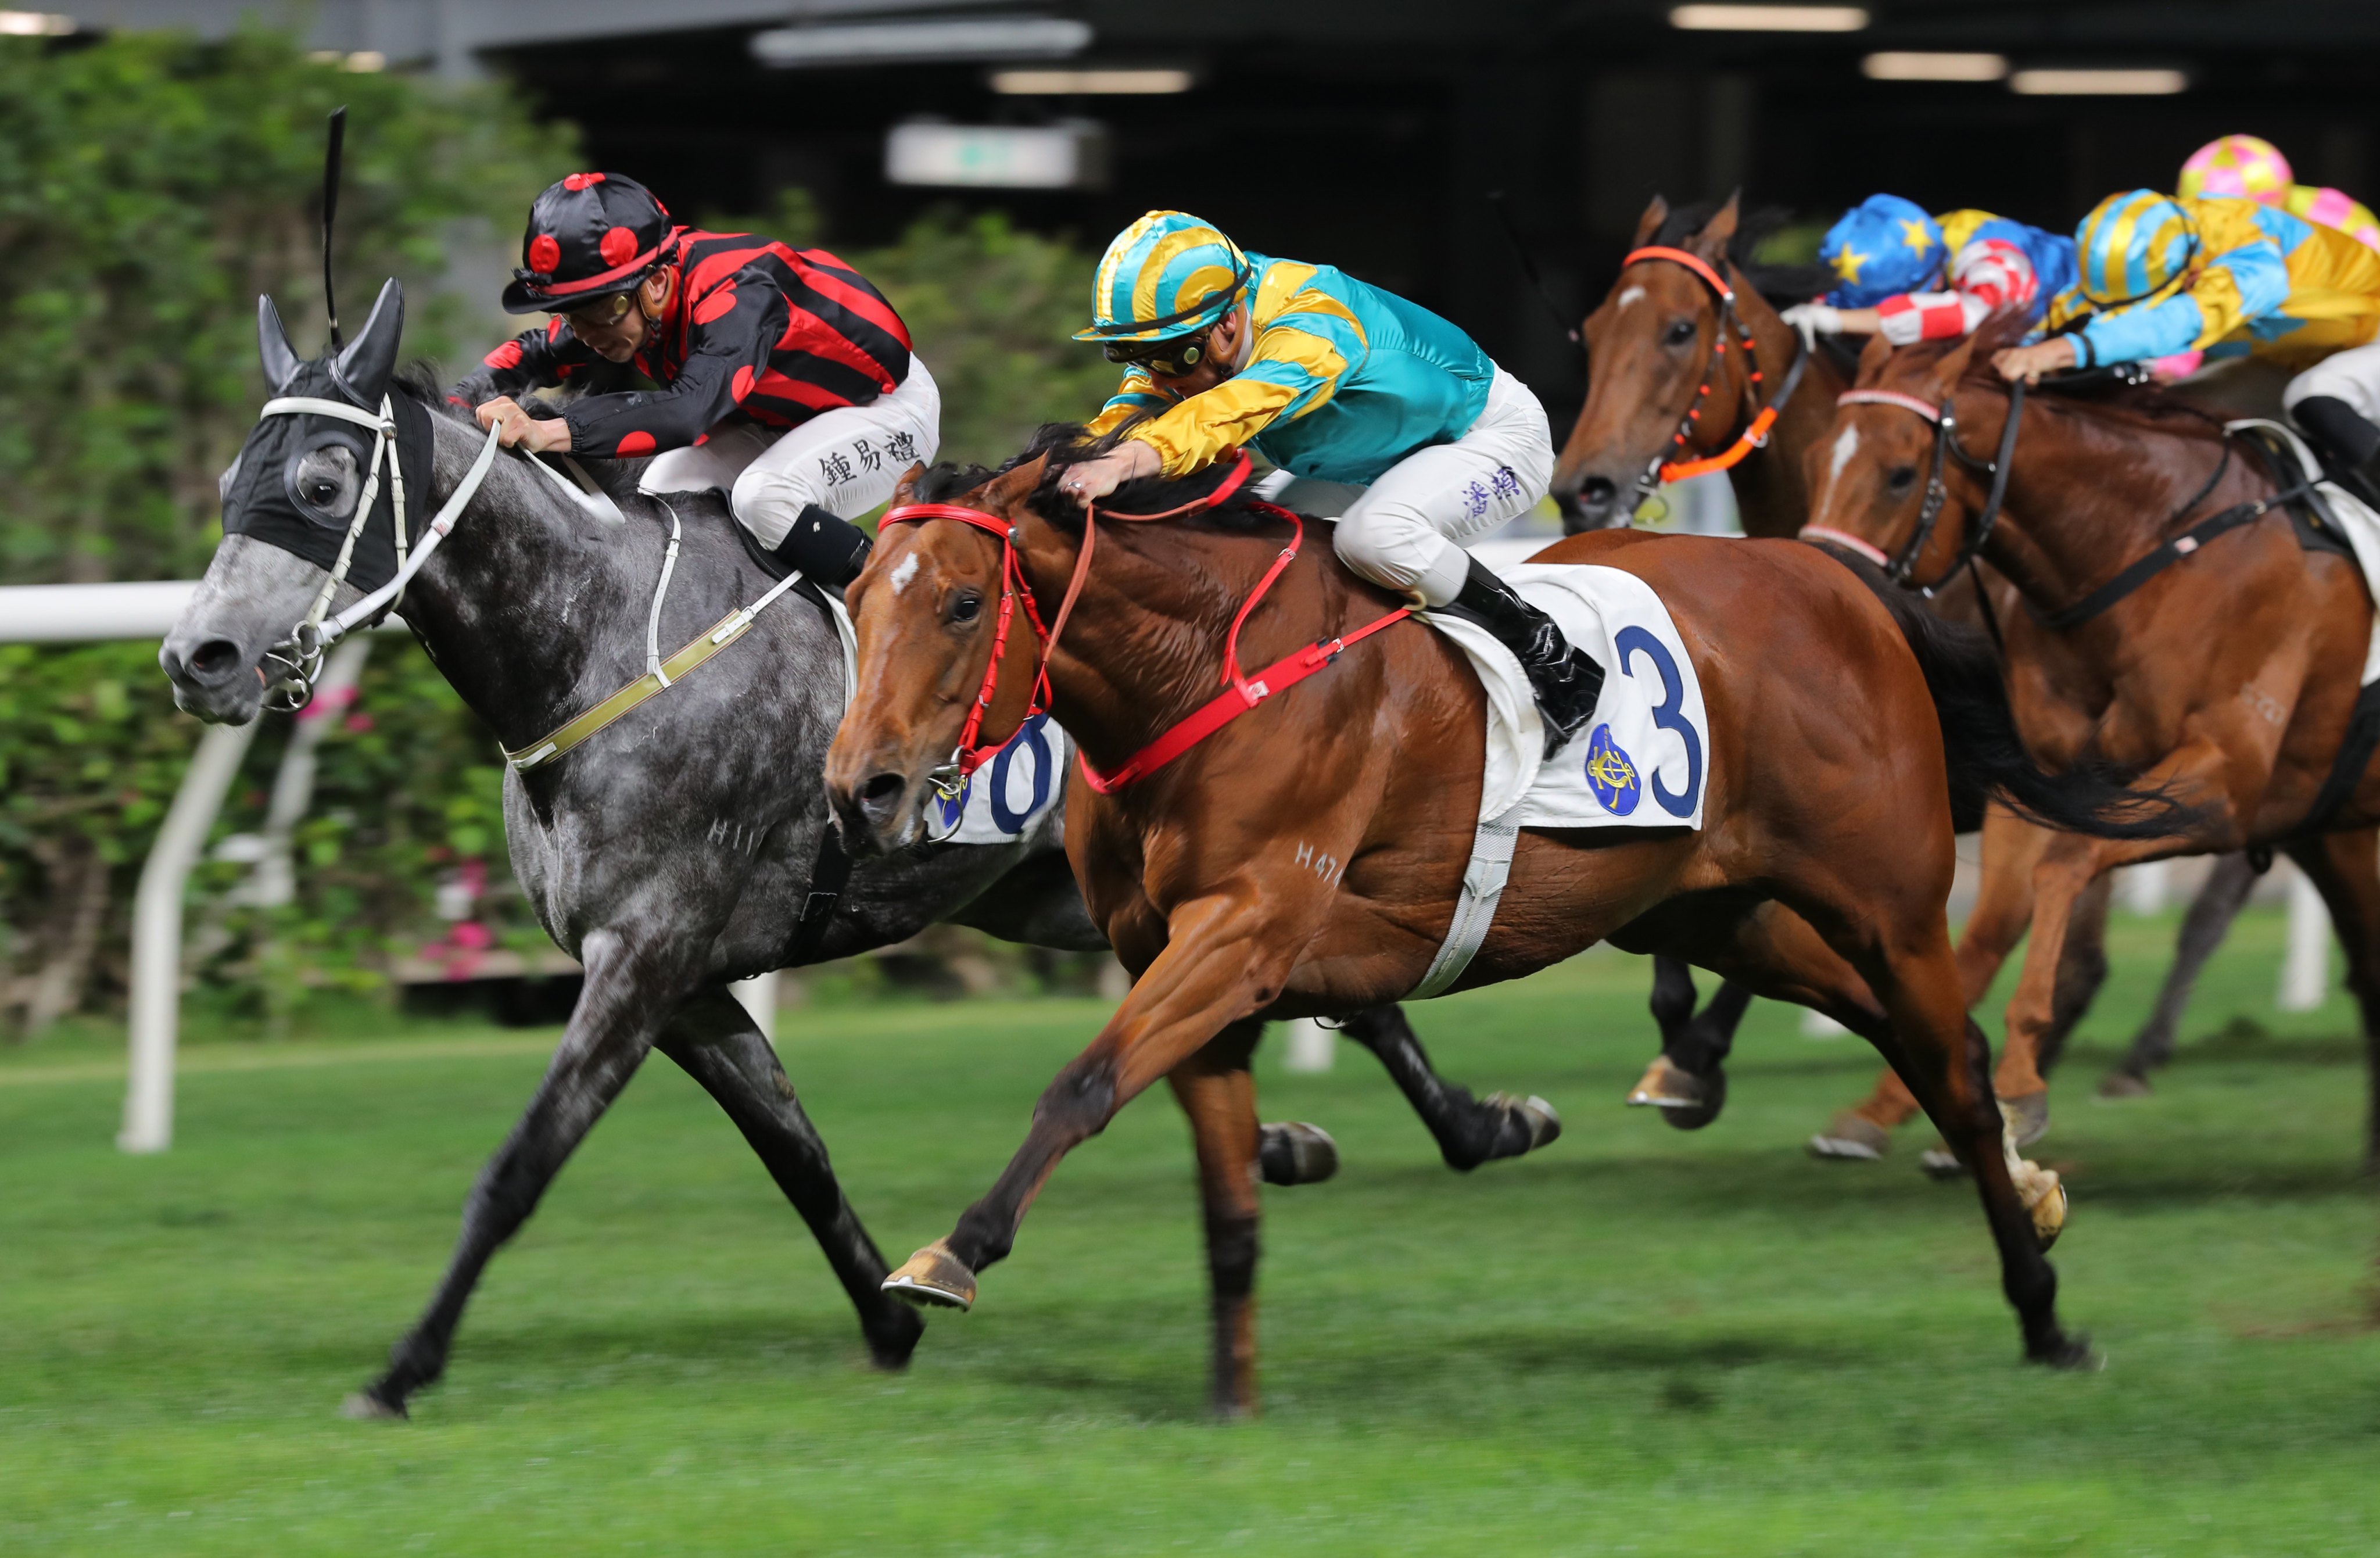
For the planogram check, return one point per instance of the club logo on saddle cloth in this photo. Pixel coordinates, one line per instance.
(1644, 761)
(1011, 793)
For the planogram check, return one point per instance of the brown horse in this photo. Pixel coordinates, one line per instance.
(2225, 680)
(1308, 860)
(1664, 342)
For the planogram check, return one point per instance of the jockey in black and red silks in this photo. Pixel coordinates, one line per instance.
(787, 379)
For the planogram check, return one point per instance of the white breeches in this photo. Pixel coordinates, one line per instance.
(2352, 376)
(846, 460)
(1406, 532)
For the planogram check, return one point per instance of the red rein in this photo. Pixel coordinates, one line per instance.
(1242, 692)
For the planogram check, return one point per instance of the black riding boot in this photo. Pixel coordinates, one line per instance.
(825, 548)
(2347, 436)
(1566, 682)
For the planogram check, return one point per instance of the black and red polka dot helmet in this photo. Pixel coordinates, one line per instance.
(589, 235)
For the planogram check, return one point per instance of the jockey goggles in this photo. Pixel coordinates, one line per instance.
(1168, 358)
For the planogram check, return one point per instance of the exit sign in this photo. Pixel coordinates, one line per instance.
(1066, 156)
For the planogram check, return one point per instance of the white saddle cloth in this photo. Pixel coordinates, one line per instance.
(1009, 794)
(1644, 761)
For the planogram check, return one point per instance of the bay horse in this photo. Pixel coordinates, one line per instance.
(1308, 860)
(2177, 623)
(1666, 341)
(680, 848)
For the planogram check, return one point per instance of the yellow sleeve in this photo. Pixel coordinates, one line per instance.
(1291, 372)
(1136, 395)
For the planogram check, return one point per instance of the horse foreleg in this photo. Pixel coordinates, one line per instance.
(1217, 1092)
(611, 1029)
(1687, 1081)
(2203, 930)
(718, 1044)
(2081, 969)
(2345, 867)
(1469, 1131)
(1224, 959)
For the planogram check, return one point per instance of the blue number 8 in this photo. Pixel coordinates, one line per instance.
(1668, 716)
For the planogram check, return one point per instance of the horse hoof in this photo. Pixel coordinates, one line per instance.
(1686, 1101)
(2073, 1353)
(364, 1406)
(2027, 1116)
(1537, 1117)
(2123, 1084)
(1940, 1162)
(1853, 1136)
(1296, 1153)
(934, 1278)
(2049, 1210)
(893, 1336)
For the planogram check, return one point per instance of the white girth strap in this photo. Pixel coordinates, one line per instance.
(1475, 910)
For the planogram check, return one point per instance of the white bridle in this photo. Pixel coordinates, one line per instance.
(299, 656)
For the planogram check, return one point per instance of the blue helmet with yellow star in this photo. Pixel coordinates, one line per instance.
(1883, 246)
(1167, 276)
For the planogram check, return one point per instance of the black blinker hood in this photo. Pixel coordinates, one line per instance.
(257, 500)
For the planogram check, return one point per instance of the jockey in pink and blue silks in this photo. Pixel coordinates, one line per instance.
(1328, 377)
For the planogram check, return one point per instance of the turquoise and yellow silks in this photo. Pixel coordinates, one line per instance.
(2162, 276)
(1342, 382)
(1166, 274)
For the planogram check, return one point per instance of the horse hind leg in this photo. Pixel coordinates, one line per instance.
(1469, 1131)
(609, 1034)
(1217, 1092)
(717, 1043)
(2345, 867)
(1687, 1081)
(2203, 930)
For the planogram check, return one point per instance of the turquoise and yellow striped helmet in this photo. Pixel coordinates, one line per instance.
(1166, 274)
(2135, 247)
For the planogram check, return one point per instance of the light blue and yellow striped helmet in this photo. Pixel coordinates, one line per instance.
(2135, 247)
(1168, 275)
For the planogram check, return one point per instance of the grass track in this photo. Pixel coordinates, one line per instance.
(1639, 1340)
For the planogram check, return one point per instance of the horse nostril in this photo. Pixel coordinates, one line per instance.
(215, 660)
(880, 799)
(1599, 491)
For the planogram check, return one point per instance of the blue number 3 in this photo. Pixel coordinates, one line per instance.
(1669, 717)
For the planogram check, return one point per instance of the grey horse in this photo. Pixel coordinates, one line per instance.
(675, 852)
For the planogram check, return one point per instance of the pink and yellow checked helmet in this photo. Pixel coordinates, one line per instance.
(2239, 166)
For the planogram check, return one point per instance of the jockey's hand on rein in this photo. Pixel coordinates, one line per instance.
(2030, 363)
(521, 430)
(1093, 479)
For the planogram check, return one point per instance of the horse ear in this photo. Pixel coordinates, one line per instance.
(370, 362)
(905, 490)
(1953, 366)
(1711, 243)
(273, 346)
(1873, 357)
(1014, 486)
(1650, 223)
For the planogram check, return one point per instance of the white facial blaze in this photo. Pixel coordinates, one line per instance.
(1846, 445)
(904, 573)
(1634, 295)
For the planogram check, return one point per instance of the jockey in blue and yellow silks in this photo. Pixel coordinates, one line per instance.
(1909, 276)
(2162, 276)
(1331, 378)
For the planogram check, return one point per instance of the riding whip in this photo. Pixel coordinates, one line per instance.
(331, 212)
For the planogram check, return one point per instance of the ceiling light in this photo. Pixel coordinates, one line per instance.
(1089, 83)
(1768, 19)
(1933, 67)
(34, 24)
(916, 42)
(2099, 83)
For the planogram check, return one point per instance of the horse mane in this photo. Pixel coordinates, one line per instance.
(2149, 408)
(1778, 283)
(1072, 444)
(421, 380)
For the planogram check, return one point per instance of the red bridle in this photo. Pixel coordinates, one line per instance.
(1755, 433)
(1243, 692)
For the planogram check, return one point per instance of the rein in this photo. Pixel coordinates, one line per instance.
(1901, 570)
(1242, 692)
(1661, 468)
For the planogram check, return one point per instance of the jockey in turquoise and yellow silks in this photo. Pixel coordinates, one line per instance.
(1909, 276)
(2232, 277)
(1329, 377)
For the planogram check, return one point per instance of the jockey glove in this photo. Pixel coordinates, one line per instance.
(2343, 432)
(825, 548)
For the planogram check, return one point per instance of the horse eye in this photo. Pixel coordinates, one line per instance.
(321, 491)
(1900, 478)
(1680, 332)
(966, 607)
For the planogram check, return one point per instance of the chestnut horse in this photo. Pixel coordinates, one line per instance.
(1661, 345)
(1308, 860)
(2225, 680)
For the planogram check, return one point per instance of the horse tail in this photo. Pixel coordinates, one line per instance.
(1980, 748)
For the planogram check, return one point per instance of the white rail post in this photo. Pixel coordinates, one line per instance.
(1312, 1047)
(759, 994)
(2145, 886)
(2305, 968)
(157, 935)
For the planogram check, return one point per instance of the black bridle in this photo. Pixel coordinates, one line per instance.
(1901, 568)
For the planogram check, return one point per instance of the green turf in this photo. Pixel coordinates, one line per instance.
(1639, 1340)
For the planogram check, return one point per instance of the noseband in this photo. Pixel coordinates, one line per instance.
(1902, 569)
(1661, 468)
